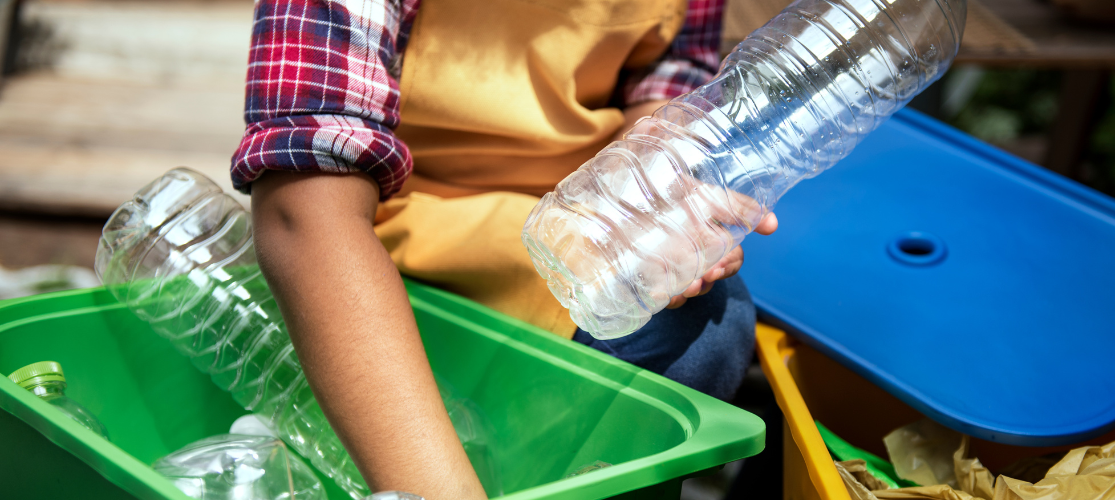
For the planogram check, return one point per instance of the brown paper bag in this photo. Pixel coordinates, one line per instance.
(1086, 473)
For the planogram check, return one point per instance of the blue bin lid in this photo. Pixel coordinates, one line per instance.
(974, 286)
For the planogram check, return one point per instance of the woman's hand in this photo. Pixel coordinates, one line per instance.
(726, 268)
(730, 264)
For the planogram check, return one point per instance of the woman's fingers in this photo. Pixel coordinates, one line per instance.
(705, 287)
(727, 267)
(697, 287)
(768, 225)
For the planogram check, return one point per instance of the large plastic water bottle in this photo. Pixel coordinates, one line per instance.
(644, 218)
(46, 380)
(240, 467)
(180, 255)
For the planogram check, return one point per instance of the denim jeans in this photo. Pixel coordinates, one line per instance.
(705, 344)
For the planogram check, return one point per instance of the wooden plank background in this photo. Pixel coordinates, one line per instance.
(130, 91)
(127, 90)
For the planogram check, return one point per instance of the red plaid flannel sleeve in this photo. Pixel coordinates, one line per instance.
(691, 60)
(321, 94)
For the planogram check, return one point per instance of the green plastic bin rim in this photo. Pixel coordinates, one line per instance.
(716, 432)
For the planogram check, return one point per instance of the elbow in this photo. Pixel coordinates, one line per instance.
(299, 214)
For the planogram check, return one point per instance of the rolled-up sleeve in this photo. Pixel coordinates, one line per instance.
(689, 62)
(320, 95)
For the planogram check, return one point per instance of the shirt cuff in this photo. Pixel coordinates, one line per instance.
(322, 143)
(666, 79)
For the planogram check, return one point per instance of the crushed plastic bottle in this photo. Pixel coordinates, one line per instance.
(394, 495)
(240, 467)
(180, 255)
(46, 380)
(476, 434)
(649, 214)
(585, 469)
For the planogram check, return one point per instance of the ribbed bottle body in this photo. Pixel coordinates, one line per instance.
(240, 467)
(651, 213)
(180, 255)
(78, 413)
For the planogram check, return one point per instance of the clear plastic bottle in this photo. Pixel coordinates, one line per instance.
(394, 495)
(636, 224)
(180, 255)
(46, 380)
(240, 467)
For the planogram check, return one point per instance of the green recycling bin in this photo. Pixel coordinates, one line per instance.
(556, 405)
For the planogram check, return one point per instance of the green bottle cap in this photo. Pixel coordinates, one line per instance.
(37, 373)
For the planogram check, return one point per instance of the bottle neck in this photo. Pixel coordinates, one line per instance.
(48, 390)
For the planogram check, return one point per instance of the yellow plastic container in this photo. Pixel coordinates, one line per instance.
(811, 387)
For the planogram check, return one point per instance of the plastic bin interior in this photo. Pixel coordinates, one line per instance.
(810, 386)
(974, 286)
(556, 405)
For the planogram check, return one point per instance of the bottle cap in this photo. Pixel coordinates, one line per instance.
(37, 373)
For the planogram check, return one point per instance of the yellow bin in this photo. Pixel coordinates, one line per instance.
(810, 387)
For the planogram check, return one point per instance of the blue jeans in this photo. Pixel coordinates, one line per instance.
(705, 344)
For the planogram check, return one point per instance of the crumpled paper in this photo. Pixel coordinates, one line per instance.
(922, 452)
(971, 476)
(1086, 473)
(859, 482)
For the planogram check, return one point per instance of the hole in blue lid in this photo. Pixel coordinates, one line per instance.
(916, 248)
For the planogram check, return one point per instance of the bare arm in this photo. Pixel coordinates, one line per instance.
(353, 329)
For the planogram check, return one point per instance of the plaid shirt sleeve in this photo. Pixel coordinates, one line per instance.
(689, 62)
(322, 90)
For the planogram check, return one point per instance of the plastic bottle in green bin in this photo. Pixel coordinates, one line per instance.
(180, 254)
(46, 380)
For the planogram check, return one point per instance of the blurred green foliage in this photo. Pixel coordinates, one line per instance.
(1101, 157)
(1008, 104)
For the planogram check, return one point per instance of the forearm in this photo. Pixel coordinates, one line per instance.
(352, 326)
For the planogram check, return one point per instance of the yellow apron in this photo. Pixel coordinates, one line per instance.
(501, 99)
